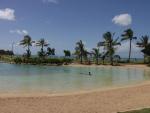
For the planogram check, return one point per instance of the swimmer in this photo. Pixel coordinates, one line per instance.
(90, 73)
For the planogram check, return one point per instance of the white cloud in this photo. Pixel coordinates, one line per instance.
(7, 14)
(20, 32)
(122, 19)
(51, 1)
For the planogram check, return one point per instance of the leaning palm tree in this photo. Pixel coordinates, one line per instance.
(80, 50)
(42, 43)
(96, 54)
(143, 43)
(128, 35)
(110, 44)
(27, 42)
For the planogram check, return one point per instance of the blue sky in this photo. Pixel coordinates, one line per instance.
(64, 22)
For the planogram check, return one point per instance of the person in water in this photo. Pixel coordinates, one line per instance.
(90, 73)
(87, 74)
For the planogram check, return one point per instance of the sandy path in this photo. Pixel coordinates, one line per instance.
(109, 101)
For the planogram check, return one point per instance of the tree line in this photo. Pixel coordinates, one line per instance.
(109, 43)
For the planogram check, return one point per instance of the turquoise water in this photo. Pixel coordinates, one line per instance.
(30, 78)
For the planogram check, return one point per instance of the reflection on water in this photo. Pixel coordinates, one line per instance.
(59, 79)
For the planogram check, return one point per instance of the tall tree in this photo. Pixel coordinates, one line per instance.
(27, 42)
(96, 54)
(42, 43)
(143, 43)
(128, 35)
(50, 51)
(80, 50)
(67, 53)
(110, 44)
(146, 50)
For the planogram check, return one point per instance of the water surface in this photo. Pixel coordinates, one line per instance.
(30, 78)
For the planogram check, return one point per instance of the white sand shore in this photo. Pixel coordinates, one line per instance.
(106, 101)
(143, 66)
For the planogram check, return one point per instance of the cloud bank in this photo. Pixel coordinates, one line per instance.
(7, 14)
(51, 1)
(122, 19)
(19, 32)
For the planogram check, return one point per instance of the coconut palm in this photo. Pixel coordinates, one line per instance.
(67, 53)
(96, 54)
(42, 43)
(146, 50)
(27, 42)
(128, 35)
(80, 50)
(143, 43)
(50, 51)
(110, 44)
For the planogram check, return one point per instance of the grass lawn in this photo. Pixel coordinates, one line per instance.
(147, 110)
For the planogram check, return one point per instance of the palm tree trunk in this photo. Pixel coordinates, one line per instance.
(81, 59)
(129, 52)
(144, 58)
(28, 52)
(97, 60)
(42, 49)
(111, 60)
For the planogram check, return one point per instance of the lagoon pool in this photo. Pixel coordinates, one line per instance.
(30, 78)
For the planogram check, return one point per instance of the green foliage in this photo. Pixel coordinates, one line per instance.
(67, 53)
(128, 35)
(109, 44)
(41, 54)
(80, 50)
(147, 50)
(147, 110)
(67, 61)
(37, 60)
(17, 60)
(42, 43)
(96, 54)
(50, 51)
(27, 42)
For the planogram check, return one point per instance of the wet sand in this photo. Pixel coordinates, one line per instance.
(107, 101)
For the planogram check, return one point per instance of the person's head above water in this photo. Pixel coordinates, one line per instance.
(89, 73)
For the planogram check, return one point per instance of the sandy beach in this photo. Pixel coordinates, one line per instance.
(107, 101)
(109, 66)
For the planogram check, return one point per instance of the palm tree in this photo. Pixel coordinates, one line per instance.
(96, 54)
(128, 35)
(143, 43)
(109, 43)
(146, 50)
(27, 42)
(80, 50)
(67, 53)
(42, 43)
(50, 51)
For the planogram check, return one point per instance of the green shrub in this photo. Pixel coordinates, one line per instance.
(67, 60)
(138, 111)
(18, 60)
